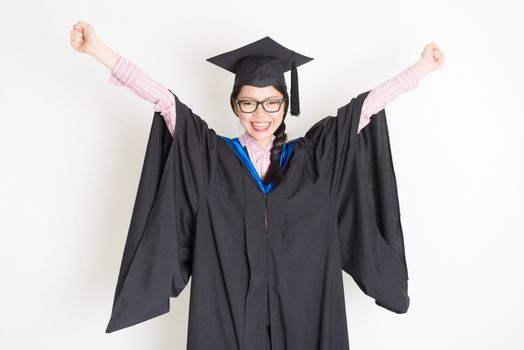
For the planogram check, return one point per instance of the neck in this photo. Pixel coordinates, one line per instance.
(265, 143)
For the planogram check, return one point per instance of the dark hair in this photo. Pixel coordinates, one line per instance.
(274, 173)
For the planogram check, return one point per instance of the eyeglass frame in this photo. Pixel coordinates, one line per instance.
(282, 100)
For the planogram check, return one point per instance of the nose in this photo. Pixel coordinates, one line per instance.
(259, 112)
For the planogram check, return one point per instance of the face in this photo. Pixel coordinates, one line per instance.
(255, 123)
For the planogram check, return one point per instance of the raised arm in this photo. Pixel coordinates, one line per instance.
(431, 59)
(125, 72)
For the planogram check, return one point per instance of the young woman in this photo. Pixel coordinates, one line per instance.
(262, 225)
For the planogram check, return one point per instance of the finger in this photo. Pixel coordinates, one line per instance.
(76, 36)
(79, 25)
(78, 40)
(434, 47)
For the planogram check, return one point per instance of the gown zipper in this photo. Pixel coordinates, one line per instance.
(267, 270)
(267, 242)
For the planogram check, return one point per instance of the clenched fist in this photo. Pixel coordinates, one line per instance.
(431, 59)
(83, 38)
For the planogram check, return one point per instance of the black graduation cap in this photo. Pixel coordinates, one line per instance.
(263, 63)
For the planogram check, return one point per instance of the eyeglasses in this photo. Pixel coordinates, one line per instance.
(250, 106)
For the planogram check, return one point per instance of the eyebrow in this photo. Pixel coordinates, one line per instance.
(255, 99)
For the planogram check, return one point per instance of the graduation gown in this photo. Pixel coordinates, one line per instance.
(266, 262)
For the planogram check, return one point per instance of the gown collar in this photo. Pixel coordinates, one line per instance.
(240, 152)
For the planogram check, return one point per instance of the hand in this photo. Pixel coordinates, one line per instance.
(431, 59)
(83, 38)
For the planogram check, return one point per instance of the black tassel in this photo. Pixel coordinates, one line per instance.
(295, 103)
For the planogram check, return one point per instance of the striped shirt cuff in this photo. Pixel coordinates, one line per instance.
(409, 78)
(123, 72)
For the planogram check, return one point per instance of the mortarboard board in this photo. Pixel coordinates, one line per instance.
(263, 63)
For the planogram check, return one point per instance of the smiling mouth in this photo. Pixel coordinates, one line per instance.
(260, 127)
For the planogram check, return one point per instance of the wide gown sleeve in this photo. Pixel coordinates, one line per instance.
(156, 262)
(356, 172)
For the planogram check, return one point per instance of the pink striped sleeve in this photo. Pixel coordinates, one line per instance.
(382, 95)
(126, 73)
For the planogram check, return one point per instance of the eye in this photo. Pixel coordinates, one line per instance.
(273, 102)
(247, 103)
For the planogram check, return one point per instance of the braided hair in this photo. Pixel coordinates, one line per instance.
(274, 173)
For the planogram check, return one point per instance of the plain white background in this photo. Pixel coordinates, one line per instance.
(72, 146)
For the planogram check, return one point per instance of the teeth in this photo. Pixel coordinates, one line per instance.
(260, 125)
